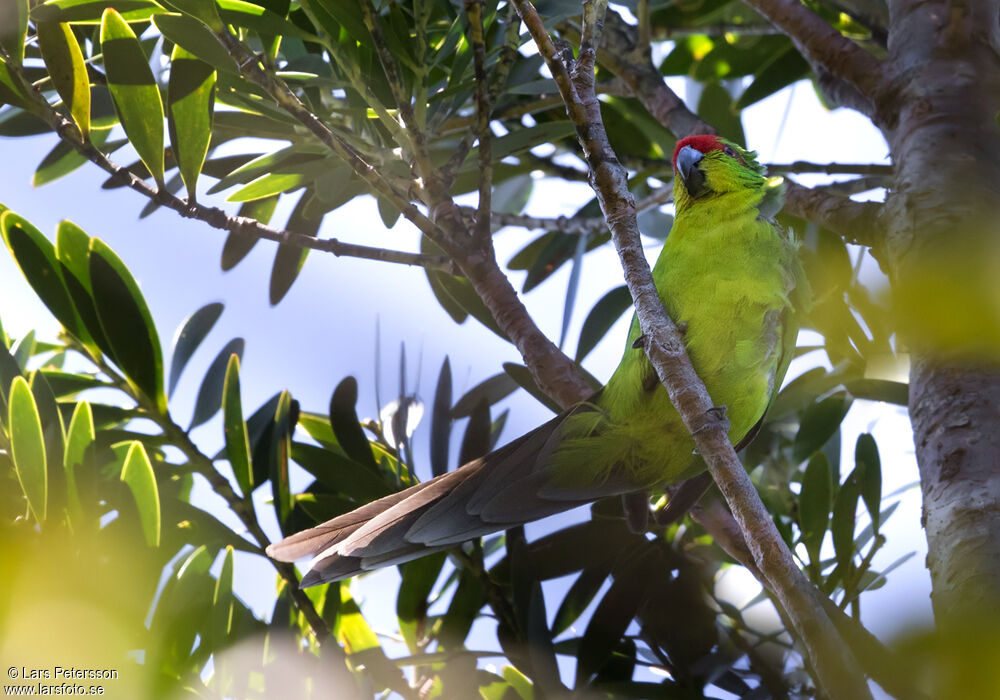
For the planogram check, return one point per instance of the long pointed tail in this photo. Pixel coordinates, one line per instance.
(507, 487)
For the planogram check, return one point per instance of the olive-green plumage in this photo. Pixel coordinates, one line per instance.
(727, 275)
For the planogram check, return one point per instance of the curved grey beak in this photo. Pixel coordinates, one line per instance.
(691, 174)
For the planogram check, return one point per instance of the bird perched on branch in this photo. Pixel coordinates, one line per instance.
(727, 275)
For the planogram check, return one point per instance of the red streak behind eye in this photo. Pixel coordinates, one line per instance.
(703, 143)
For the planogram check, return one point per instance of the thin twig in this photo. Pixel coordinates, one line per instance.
(474, 9)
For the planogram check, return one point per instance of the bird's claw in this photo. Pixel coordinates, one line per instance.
(716, 414)
(639, 343)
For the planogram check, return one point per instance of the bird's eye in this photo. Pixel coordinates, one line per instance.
(728, 150)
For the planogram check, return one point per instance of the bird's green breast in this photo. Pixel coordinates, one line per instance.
(724, 277)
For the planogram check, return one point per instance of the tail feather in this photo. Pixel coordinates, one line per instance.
(507, 487)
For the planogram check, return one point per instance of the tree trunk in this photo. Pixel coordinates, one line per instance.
(943, 251)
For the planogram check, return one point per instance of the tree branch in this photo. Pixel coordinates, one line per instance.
(858, 222)
(825, 47)
(574, 225)
(665, 347)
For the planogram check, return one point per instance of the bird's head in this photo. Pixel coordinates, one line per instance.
(708, 165)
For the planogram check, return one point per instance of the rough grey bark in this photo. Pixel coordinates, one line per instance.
(943, 251)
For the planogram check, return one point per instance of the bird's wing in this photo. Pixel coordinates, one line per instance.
(510, 486)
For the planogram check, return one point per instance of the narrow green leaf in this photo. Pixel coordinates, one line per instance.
(476, 441)
(190, 107)
(579, 596)
(238, 245)
(36, 257)
(138, 475)
(127, 323)
(205, 11)
(289, 259)
(237, 441)
(284, 424)
(64, 61)
(522, 375)
(79, 437)
(572, 286)
(716, 107)
(521, 684)
(260, 19)
(223, 603)
(270, 184)
(344, 420)
(134, 90)
(338, 474)
(783, 70)
(511, 195)
(189, 336)
(387, 212)
(418, 578)
(612, 616)
(815, 500)
(91, 11)
(820, 422)
(605, 314)
(210, 393)
(845, 508)
(869, 466)
(64, 159)
(197, 39)
(27, 444)
(879, 390)
(13, 28)
(73, 252)
(491, 390)
(441, 421)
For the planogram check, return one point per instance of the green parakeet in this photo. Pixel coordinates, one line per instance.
(727, 275)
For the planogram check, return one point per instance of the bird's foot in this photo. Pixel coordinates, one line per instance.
(713, 416)
(639, 343)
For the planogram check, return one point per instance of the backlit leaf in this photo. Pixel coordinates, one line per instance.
(28, 447)
(134, 90)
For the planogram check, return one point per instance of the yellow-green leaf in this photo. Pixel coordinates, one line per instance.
(138, 475)
(191, 103)
(10, 92)
(205, 11)
(223, 602)
(352, 630)
(196, 38)
(90, 11)
(36, 257)
(269, 184)
(13, 27)
(27, 444)
(134, 90)
(64, 60)
(237, 441)
(78, 438)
